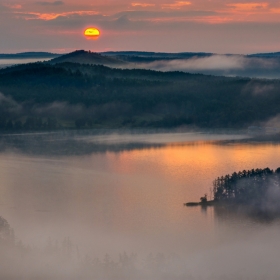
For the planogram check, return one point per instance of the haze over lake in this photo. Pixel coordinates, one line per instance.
(11, 61)
(110, 193)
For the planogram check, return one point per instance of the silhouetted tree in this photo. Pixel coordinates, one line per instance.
(246, 185)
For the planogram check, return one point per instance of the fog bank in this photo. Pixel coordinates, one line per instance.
(222, 65)
(234, 253)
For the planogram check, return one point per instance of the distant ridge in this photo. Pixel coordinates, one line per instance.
(267, 55)
(84, 57)
(157, 54)
(140, 54)
(138, 57)
(29, 55)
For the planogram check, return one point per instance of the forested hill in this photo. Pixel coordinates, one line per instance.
(142, 57)
(67, 95)
(85, 57)
(266, 55)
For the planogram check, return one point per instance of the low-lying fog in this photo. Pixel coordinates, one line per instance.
(85, 205)
(221, 65)
(13, 61)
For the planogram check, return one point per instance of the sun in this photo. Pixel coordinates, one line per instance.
(92, 33)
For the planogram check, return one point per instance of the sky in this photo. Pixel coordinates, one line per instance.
(219, 26)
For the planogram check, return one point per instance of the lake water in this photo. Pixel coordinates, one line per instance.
(111, 193)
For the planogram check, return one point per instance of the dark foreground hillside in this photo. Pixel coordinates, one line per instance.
(45, 96)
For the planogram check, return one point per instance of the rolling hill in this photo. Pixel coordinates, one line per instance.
(66, 95)
(84, 57)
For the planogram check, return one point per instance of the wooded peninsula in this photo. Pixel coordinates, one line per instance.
(256, 189)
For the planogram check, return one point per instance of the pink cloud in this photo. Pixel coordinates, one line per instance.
(275, 11)
(248, 6)
(51, 16)
(177, 5)
(13, 6)
(142, 5)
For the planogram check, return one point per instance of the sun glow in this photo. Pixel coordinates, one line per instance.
(92, 33)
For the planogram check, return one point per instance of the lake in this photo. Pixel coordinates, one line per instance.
(115, 192)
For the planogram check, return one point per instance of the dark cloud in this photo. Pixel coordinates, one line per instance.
(122, 20)
(54, 3)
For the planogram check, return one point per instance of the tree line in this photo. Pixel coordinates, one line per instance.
(246, 186)
(30, 123)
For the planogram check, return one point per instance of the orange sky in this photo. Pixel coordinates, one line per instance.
(171, 26)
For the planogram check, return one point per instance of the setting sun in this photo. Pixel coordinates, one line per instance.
(92, 33)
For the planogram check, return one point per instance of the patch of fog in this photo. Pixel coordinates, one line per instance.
(13, 61)
(273, 122)
(214, 62)
(62, 109)
(224, 65)
(153, 137)
(9, 105)
(144, 136)
(230, 254)
(5, 65)
(256, 88)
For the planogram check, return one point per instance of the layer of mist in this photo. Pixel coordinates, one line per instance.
(234, 253)
(84, 213)
(221, 65)
(16, 61)
(211, 64)
(82, 142)
(61, 110)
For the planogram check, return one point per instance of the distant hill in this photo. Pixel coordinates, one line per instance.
(84, 57)
(157, 54)
(29, 55)
(42, 96)
(265, 55)
(138, 57)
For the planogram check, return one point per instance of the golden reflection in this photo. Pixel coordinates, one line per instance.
(198, 156)
(178, 173)
(252, 153)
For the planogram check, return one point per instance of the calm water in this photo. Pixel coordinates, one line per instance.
(116, 193)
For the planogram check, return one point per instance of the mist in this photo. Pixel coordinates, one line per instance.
(8, 62)
(61, 110)
(109, 205)
(86, 142)
(235, 251)
(221, 65)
